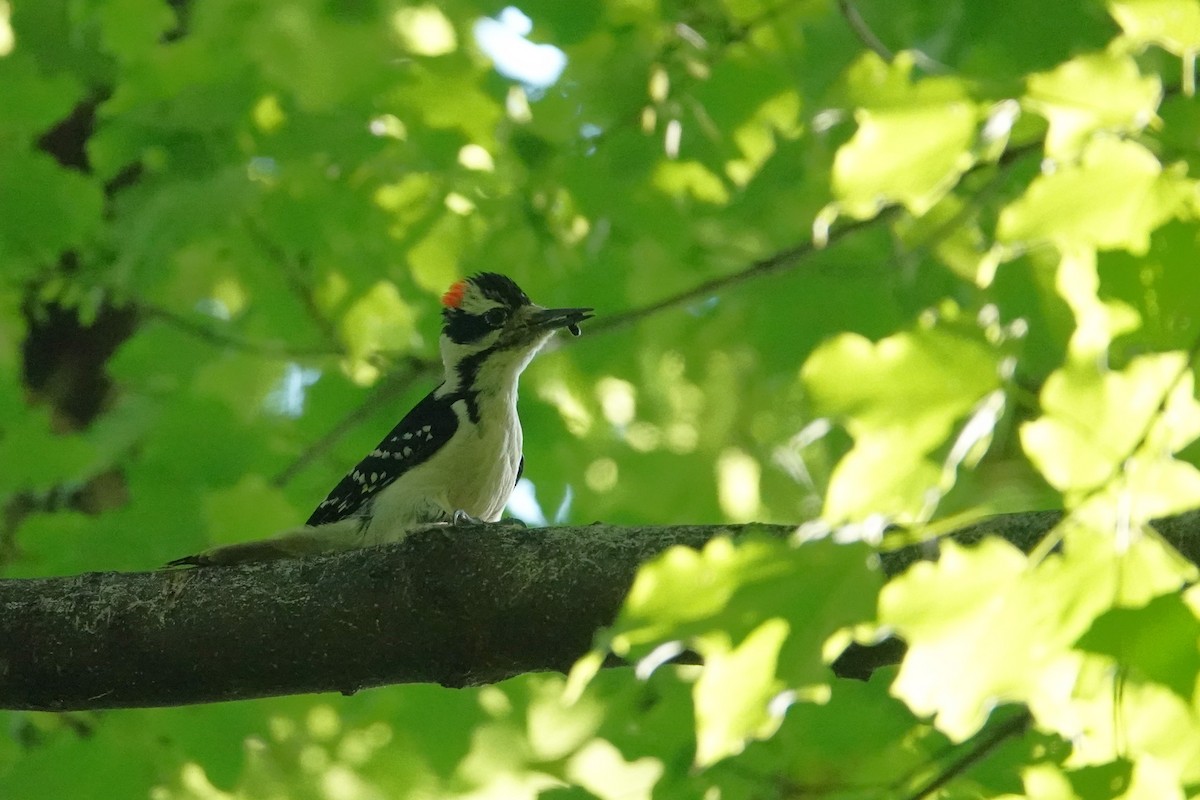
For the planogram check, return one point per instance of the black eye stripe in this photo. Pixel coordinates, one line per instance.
(462, 327)
(465, 327)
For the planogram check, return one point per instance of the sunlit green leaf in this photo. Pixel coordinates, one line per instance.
(914, 138)
(896, 422)
(1172, 24)
(1101, 91)
(1093, 420)
(734, 587)
(1114, 198)
(735, 691)
(599, 767)
(759, 626)
(378, 321)
(985, 625)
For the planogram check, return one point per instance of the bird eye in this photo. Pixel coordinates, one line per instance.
(495, 317)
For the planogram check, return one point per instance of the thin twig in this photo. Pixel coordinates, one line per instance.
(974, 755)
(392, 389)
(863, 31)
(222, 338)
(873, 43)
(777, 262)
(295, 281)
(789, 257)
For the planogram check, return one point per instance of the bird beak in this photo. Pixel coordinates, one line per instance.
(548, 319)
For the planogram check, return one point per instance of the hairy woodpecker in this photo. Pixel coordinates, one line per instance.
(456, 456)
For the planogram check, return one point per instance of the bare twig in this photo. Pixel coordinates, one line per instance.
(863, 31)
(222, 338)
(294, 278)
(389, 391)
(777, 262)
(976, 753)
(796, 254)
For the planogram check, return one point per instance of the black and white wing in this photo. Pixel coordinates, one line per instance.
(413, 441)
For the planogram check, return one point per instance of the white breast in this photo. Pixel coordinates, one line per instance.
(482, 464)
(474, 472)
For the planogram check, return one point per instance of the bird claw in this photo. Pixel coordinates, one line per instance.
(463, 518)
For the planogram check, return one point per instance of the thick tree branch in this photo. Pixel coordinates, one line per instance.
(457, 606)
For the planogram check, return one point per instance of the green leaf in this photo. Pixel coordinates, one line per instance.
(33, 99)
(378, 321)
(1094, 91)
(131, 29)
(61, 459)
(1173, 24)
(985, 625)
(682, 179)
(1093, 420)
(906, 394)
(914, 138)
(760, 612)
(1159, 641)
(600, 768)
(685, 594)
(1097, 322)
(44, 208)
(654, 610)
(735, 691)
(1114, 198)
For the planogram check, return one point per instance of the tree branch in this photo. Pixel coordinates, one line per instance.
(218, 336)
(388, 391)
(863, 31)
(776, 262)
(457, 606)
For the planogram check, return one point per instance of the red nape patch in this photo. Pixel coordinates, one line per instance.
(454, 295)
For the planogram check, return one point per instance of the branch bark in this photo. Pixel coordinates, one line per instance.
(457, 606)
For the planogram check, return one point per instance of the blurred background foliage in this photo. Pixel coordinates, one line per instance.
(853, 262)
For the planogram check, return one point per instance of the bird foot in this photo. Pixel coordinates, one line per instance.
(463, 518)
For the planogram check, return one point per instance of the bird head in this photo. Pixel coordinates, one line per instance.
(491, 330)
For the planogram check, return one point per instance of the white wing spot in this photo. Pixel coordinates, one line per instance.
(407, 451)
(408, 435)
(374, 477)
